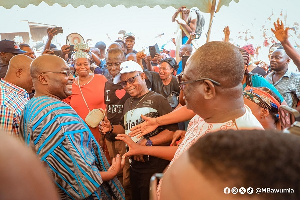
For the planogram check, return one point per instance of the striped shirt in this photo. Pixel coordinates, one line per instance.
(13, 100)
(65, 143)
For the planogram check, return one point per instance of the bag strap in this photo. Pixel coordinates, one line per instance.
(83, 96)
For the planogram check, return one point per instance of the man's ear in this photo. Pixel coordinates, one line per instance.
(209, 90)
(42, 79)
(143, 75)
(264, 113)
(19, 73)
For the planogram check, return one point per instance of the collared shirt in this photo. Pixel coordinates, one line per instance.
(288, 86)
(198, 128)
(13, 100)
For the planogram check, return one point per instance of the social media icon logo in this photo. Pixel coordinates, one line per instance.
(227, 190)
(250, 190)
(234, 190)
(242, 190)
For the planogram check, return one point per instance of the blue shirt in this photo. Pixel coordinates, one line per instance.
(259, 81)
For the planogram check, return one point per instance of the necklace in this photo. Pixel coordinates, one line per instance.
(85, 83)
(131, 101)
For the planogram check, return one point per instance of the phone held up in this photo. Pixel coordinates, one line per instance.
(58, 29)
(153, 50)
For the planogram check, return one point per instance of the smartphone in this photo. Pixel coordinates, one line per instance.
(71, 47)
(58, 29)
(71, 51)
(153, 50)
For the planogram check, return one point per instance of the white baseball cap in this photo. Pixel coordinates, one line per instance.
(127, 67)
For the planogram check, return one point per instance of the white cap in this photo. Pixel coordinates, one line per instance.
(130, 66)
(127, 67)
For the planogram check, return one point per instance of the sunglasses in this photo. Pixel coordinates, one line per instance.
(66, 72)
(130, 80)
(183, 83)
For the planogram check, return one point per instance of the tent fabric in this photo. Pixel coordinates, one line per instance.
(203, 5)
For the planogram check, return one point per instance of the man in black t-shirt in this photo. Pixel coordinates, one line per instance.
(115, 97)
(149, 103)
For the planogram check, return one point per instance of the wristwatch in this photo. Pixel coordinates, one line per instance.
(149, 142)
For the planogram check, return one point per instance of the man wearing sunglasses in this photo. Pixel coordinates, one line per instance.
(143, 102)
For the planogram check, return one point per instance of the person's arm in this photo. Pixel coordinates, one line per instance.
(106, 126)
(150, 124)
(148, 63)
(164, 137)
(51, 33)
(191, 27)
(65, 50)
(7, 121)
(95, 58)
(177, 12)
(139, 57)
(282, 35)
(164, 152)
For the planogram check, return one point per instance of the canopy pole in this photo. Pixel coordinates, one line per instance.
(212, 13)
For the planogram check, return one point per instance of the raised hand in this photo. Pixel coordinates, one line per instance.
(280, 32)
(117, 164)
(149, 125)
(134, 148)
(51, 33)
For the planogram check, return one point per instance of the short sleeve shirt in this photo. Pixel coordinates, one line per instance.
(288, 86)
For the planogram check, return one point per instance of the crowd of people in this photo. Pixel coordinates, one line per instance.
(200, 120)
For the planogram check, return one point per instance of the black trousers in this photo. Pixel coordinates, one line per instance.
(140, 181)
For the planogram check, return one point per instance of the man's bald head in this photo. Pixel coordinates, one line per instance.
(45, 63)
(186, 50)
(220, 61)
(19, 62)
(51, 76)
(18, 72)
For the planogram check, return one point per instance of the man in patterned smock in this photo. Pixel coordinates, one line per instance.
(61, 138)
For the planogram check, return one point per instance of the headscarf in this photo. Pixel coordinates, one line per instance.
(263, 99)
(171, 62)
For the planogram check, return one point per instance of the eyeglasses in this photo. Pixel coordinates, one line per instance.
(66, 72)
(130, 80)
(182, 83)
